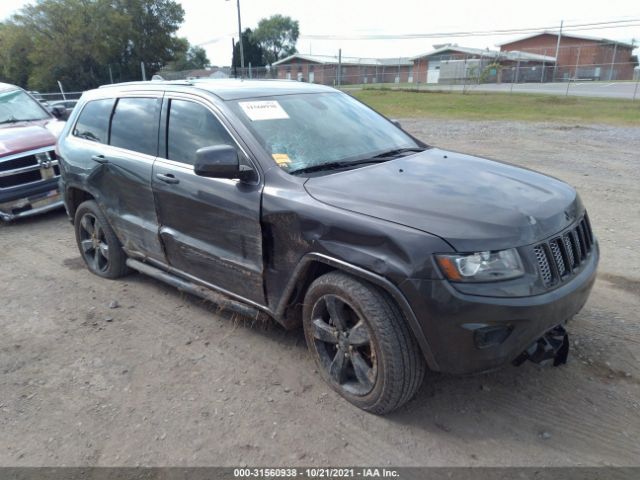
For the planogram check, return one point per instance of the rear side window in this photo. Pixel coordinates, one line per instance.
(135, 125)
(93, 123)
(192, 126)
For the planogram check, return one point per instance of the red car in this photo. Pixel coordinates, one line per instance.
(28, 164)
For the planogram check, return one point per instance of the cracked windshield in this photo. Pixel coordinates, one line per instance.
(309, 130)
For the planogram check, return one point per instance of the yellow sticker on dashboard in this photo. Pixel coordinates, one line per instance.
(281, 158)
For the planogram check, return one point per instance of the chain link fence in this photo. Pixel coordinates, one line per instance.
(442, 69)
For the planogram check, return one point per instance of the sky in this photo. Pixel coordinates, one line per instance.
(213, 23)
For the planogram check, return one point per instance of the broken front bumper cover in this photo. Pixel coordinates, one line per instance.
(473, 334)
(553, 346)
(31, 205)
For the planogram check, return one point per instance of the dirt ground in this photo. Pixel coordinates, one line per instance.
(163, 380)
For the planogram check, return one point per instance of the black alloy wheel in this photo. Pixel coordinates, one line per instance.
(343, 342)
(361, 342)
(98, 243)
(93, 243)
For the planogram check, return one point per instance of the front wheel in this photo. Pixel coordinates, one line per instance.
(361, 343)
(97, 242)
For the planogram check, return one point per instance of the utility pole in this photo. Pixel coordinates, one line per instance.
(575, 72)
(144, 73)
(233, 49)
(240, 40)
(635, 90)
(613, 61)
(339, 72)
(555, 65)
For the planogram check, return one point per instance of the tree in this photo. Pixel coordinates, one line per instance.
(15, 46)
(150, 38)
(253, 53)
(189, 57)
(81, 42)
(277, 36)
(71, 40)
(197, 57)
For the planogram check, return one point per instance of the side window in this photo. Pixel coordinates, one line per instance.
(135, 125)
(93, 123)
(192, 126)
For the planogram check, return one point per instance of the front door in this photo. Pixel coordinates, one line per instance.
(210, 227)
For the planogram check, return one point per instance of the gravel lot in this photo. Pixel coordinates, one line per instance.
(162, 379)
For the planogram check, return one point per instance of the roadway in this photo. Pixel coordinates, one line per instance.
(622, 89)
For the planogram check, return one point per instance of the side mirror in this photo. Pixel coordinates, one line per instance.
(395, 122)
(218, 161)
(59, 112)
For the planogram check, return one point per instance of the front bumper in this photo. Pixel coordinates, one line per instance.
(469, 333)
(27, 200)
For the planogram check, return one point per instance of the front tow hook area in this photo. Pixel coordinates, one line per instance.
(552, 346)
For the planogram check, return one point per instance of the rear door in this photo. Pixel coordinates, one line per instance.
(210, 227)
(121, 166)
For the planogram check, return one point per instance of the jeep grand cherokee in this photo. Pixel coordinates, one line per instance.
(297, 202)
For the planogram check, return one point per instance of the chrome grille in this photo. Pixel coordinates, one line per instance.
(543, 264)
(569, 248)
(24, 168)
(558, 258)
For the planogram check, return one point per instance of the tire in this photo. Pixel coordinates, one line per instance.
(99, 247)
(350, 324)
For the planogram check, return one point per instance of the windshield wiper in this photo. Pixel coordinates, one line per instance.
(336, 165)
(399, 151)
(18, 120)
(379, 158)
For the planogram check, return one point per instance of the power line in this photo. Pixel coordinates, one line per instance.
(513, 31)
(632, 22)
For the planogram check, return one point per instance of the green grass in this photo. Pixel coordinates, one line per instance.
(500, 106)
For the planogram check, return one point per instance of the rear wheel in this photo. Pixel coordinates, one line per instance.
(97, 242)
(361, 343)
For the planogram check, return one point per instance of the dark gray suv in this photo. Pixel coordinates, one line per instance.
(299, 203)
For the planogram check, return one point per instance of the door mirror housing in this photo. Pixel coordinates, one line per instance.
(218, 161)
(396, 122)
(59, 112)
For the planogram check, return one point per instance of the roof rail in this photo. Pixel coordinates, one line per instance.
(148, 82)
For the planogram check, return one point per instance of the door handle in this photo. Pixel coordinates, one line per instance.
(167, 178)
(99, 159)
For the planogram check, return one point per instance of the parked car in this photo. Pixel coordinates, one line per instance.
(67, 105)
(28, 164)
(297, 202)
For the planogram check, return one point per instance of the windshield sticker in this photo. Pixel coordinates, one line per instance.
(263, 110)
(281, 159)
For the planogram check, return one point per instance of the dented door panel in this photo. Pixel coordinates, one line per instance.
(211, 228)
(127, 200)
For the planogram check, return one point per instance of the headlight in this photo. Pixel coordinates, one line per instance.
(481, 266)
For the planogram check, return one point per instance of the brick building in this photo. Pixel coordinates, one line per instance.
(580, 57)
(449, 64)
(353, 70)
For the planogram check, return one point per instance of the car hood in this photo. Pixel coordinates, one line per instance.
(23, 136)
(472, 203)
